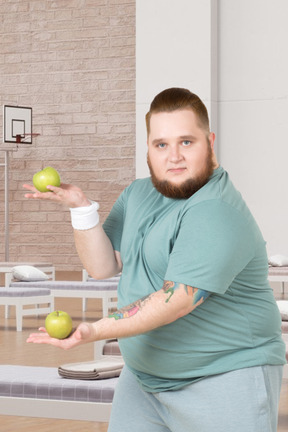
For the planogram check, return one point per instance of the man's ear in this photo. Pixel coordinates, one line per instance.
(211, 139)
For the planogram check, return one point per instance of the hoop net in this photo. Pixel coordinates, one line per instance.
(23, 137)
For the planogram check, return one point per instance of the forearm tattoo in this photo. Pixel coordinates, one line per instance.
(198, 296)
(132, 309)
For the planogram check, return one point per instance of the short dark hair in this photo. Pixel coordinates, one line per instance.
(175, 98)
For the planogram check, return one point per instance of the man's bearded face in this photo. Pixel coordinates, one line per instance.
(188, 187)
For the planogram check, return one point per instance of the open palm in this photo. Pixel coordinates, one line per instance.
(84, 333)
(68, 194)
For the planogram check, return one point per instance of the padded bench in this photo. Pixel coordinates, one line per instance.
(278, 274)
(20, 297)
(283, 308)
(104, 290)
(285, 371)
(40, 392)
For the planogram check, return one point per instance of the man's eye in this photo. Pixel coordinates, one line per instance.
(161, 145)
(186, 143)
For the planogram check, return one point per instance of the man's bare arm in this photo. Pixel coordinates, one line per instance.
(96, 253)
(172, 302)
(93, 246)
(160, 308)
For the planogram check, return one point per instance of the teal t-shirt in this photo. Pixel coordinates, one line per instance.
(209, 241)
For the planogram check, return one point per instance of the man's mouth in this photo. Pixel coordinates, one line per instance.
(178, 170)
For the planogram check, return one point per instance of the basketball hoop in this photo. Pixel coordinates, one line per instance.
(17, 130)
(23, 137)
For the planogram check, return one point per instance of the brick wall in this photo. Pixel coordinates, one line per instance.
(73, 62)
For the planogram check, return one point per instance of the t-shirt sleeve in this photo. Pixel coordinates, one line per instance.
(113, 225)
(214, 244)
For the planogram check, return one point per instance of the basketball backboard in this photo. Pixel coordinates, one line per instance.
(17, 124)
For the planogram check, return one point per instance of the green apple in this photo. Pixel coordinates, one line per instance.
(58, 324)
(48, 176)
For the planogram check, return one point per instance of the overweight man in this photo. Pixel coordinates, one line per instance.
(197, 324)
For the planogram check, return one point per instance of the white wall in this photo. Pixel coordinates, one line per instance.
(176, 45)
(253, 109)
(173, 49)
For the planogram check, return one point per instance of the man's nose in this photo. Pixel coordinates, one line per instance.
(175, 154)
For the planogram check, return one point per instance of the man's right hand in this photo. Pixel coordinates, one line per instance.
(67, 194)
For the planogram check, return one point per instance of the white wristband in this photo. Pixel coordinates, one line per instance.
(85, 218)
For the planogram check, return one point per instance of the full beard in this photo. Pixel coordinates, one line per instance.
(188, 187)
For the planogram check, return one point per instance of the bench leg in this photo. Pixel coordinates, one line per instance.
(50, 304)
(7, 311)
(283, 287)
(19, 317)
(84, 304)
(105, 307)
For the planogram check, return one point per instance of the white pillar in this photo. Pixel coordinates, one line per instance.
(176, 46)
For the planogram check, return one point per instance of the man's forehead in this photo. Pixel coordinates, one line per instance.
(183, 122)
